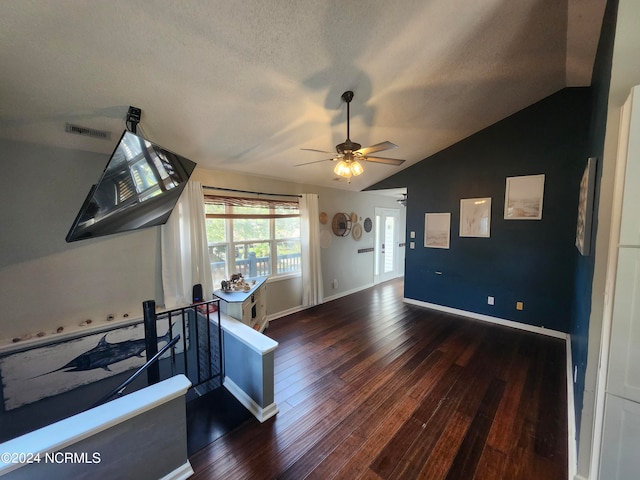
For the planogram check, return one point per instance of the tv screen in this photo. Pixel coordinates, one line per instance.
(138, 188)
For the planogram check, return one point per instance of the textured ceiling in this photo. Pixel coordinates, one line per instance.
(244, 86)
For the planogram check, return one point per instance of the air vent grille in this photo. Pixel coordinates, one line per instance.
(87, 132)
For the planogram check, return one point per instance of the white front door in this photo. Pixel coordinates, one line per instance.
(387, 248)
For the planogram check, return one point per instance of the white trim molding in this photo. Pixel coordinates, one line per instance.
(183, 472)
(488, 318)
(284, 313)
(261, 413)
(348, 292)
(571, 416)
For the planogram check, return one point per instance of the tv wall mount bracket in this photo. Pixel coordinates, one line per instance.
(133, 118)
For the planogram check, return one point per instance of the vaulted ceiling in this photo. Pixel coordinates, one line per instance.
(244, 86)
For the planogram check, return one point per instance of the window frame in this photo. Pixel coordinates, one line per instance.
(229, 216)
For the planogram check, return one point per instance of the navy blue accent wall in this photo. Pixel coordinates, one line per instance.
(532, 261)
(600, 81)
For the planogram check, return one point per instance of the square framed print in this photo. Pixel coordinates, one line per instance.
(437, 228)
(523, 197)
(475, 217)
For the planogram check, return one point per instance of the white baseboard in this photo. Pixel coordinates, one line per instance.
(571, 416)
(284, 313)
(488, 318)
(348, 292)
(261, 413)
(183, 472)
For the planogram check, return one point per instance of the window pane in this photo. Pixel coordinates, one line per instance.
(252, 259)
(288, 255)
(288, 227)
(216, 231)
(218, 258)
(250, 229)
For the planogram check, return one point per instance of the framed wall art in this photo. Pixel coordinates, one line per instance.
(475, 217)
(523, 197)
(437, 228)
(585, 207)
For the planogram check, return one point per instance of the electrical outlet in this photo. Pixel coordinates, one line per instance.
(519, 306)
(490, 300)
(335, 284)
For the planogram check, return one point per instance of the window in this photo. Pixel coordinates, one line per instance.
(245, 235)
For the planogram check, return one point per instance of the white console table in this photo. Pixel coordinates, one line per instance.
(250, 306)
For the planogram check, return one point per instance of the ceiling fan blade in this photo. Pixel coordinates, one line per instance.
(316, 161)
(378, 147)
(388, 161)
(314, 150)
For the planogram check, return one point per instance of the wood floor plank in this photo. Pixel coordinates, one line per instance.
(466, 461)
(446, 448)
(369, 387)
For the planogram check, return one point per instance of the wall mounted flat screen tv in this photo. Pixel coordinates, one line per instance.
(138, 188)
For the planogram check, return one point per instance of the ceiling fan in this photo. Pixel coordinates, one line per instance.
(348, 152)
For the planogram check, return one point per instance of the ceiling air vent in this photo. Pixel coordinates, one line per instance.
(87, 132)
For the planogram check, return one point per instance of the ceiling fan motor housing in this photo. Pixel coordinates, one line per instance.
(347, 147)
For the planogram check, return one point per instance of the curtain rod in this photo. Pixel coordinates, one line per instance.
(249, 191)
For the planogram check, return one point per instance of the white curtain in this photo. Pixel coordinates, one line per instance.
(185, 256)
(310, 242)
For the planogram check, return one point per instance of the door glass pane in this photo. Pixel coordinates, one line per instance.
(389, 231)
(379, 248)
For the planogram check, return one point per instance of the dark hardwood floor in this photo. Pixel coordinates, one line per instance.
(369, 387)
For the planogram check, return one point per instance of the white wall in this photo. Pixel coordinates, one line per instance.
(46, 283)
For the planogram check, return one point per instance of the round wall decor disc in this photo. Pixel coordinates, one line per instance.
(341, 224)
(324, 218)
(356, 232)
(354, 217)
(367, 225)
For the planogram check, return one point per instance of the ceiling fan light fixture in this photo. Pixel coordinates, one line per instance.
(348, 169)
(342, 169)
(350, 152)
